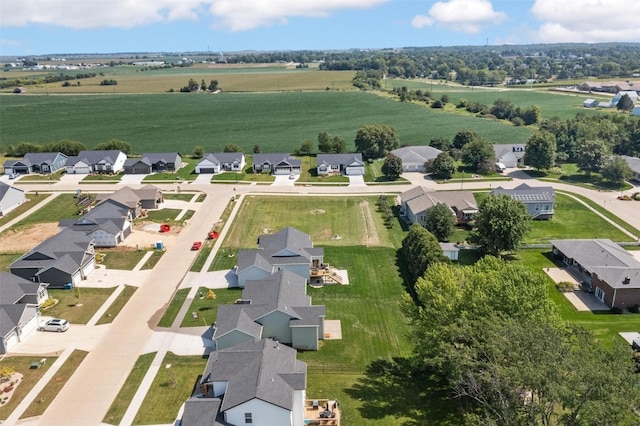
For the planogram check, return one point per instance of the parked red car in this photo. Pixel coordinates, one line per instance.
(197, 245)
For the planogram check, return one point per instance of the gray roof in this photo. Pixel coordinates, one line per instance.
(14, 288)
(340, 159)
(275, 159)
(528, 194)
(236, 317)
(202, 412)
(130, 197)
(633, 162)
(288, 237)
(517, 149)
(261, 369)
(94, 157)
(419, 199)
(603, 257)
(66, 251)
(32, 158)
(164, 157)
(4, 189)
(416, 154)
(13, 315)
(106, 216)
(222, 157)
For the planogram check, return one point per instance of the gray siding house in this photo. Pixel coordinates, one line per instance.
(414, 157)
(510, 155)
(344, 164)
(221, 162)
(10, 198)
(148, 197)
(96, 162)
(108, 224)
(276, 164)
(37, 162)
(540, 200)
(153, 162)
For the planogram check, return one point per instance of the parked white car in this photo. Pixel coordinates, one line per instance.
(55, 324)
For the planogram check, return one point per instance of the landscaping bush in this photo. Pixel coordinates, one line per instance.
(634, 309)
(617, 310)
(564, 286)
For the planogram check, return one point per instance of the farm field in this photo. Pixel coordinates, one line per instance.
(277, 122)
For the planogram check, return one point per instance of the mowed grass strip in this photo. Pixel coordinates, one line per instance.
(121, 258)
(32, 200)
(22, 364)
(153, 260)
(274, 121)
(171, 312)
(57, 382)
(114, 309)
(603, 211)
(77, 310)
(201, 257)
(207, 310)
(62, 207)
(170, 388)
(128, 390)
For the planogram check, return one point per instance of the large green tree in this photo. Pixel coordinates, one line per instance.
(440, 221)
(501, 224)
(441, 167)
(392, 167)
(479, 155)
(625, 103)
(616, 169)
(464, 137)
(376, 140)
(590, 155)
(231, 147)
(420, 249)
(540, 151)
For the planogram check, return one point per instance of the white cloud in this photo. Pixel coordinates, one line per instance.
(234, 15)
(587, 21)
(469, 16)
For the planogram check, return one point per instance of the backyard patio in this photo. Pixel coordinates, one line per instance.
(321, 412)
(580, 299)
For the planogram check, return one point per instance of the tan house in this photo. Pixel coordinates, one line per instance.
(415, 202)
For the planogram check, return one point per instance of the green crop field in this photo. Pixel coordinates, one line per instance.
(275, 121)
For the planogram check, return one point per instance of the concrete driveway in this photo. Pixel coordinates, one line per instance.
(132, 179)
(203, 178)
(285, 180)
(356, 181)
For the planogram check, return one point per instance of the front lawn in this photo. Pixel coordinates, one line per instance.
(208, 310)
(77, 310)
(162, 215)
(185, 173)
(123, 258)
(114, 309)
(180, 196)
(102, 178)
(64, 206)
(153, 260)
(571, 175)
(373, 174)
(171, 387)
(32, 200)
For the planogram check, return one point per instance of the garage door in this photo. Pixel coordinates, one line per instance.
(88, 268)
(29, 326)
(207, 170)
(10, 342)
(355, 171)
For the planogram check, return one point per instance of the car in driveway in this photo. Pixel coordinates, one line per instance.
(56, 324)
(196, 245)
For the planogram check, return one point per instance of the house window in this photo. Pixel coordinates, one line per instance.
(599, 294)
(248, 418)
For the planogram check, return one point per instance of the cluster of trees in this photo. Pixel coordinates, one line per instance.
(53, 78)
(467, 146)
(66, 146)
(489, 336)
(194, 86)
(407, 95)
(503, 109)
(385, 209)
(328, 144)
(108, 82)
(367, 79)
(420, 250)
(376, 140)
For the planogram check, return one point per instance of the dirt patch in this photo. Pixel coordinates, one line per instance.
(370, 235)
(141, 238)
(28, 237)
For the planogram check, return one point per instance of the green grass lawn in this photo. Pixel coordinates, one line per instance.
(208, 311)
(121, 259)
(174, 306)
(117, 305)
(155, 258)
(102, 177)
(201, 258)
(52, 177)
(162, 215)
(62, 207)
(50, 391)
(571, 175)
(600, 209)
(185, 173)
(67, 307)
(373, 174)
(32, 200)
(182, 196)
(127, 391)
(275, 121)
(171, 387)
(21, 364)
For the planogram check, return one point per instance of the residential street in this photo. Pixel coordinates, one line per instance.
(87, 396)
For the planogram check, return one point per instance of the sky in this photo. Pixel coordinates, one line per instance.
(38, 27)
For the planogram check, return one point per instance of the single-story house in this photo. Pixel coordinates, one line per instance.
(590, 103)
(414, 157)
(10, 198)
(153, 162)
(539, 200)
(257, 382)
(148, 197)
(276, 307)
(288, 249)
(62, 260)
(87, 162)
(14, 289)
(415, 202)
(634, 165)
(276, 164)
(107, 223)
(511, 155)
(341, 164)
(612, 273)
(36, 162)
(221, 162)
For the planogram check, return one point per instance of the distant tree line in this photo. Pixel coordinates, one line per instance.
(194, 86)
(4, 83)
(65, 146)
(108, 82)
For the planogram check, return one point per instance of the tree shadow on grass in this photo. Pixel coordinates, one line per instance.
(397, 389)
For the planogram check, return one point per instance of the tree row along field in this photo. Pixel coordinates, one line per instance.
(275, 121)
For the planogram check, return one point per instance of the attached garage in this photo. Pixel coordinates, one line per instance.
(354, 170)
(206, 170)
(88, 268)
(18, 320)
(9, 341)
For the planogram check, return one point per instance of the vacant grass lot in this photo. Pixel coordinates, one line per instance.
(208, 310)
(67, 307)
(275, 121)
(171, 387)
(50, 391)
(32, 201)
(62, 207)
(127, 391)
(21, 364)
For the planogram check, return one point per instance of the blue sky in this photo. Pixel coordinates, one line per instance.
(33, 27)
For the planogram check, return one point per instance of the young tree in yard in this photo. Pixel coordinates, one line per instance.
(338, 145)
(232, 147)
(440, 221)
(376, 140)
(198, 151)
(441, 167)
(501, 224)
(256, 149)
(615, 169)
(392, 167)
(324, 143)
(590, 155)
(306, 148)
(211, 296)
(477, 154)
(420, 250)
(540, 151)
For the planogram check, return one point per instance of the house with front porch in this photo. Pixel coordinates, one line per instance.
(257, 382)
(415, 202)
(340, 164)
(10, 198)
(153, 162)
(62, 260)
(288, 249)
(276, 307)
(609, 271)
(86, 162)
(539, 200)
(276, 164)
(221, 162)
(36, 162)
